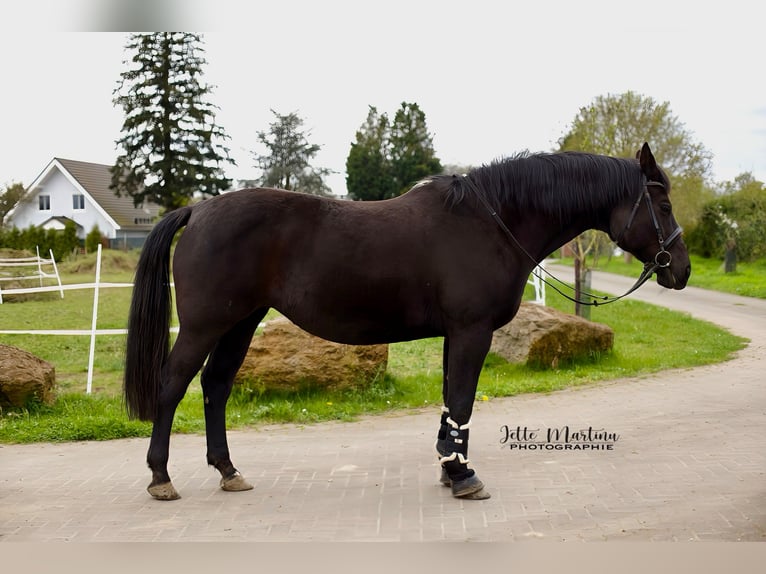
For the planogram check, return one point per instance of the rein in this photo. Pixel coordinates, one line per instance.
(661, 260)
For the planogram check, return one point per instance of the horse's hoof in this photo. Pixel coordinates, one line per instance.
(480, 494)
(235, 483)
(470, 489)
(164, 491)
(444, 478)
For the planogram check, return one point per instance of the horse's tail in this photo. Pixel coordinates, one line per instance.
(148, 342)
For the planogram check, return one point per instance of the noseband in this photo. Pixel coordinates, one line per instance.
(663, 257)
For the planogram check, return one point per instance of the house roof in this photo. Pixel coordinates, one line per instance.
(60, 219)
(95, 179)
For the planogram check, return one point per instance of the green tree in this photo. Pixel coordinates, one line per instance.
(412, 149)
(389, 157)
(171, 143)
(617, 125)
(745, 184)
(9, 197)
(368, 165)
(287, 161)
(736, 218)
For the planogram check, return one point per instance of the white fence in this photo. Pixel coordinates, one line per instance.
(536, 280)
(97, 285)
(30, 268)
(93, 331)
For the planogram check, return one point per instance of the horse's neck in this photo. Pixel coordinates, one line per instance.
(541, 235)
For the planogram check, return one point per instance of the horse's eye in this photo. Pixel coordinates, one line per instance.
(666, 208)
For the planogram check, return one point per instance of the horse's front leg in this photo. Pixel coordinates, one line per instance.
(464, 355)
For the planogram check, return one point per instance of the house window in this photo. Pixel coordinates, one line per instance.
(78, 201)
(44, 201)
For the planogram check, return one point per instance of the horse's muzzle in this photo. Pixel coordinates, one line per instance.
(673, 279)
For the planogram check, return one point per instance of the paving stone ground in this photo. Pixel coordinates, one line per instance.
(689, 464)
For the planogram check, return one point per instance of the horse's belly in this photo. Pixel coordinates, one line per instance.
(362, 327)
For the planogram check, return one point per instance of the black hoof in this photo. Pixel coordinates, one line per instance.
(480, 494)
(470, 488)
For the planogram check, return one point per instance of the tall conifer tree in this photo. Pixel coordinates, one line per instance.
(172, 147)
(412, 148)
(287, 163)
(368, 165)
(387, 158)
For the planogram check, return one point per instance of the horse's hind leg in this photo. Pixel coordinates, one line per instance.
(184, 361)
(217, 381)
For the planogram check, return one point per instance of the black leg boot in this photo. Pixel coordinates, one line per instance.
(452, 446)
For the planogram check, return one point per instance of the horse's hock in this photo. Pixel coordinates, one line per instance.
(24, 378)
(544, 337)
(286, 358)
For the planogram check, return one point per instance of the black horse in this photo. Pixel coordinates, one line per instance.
(449, 258)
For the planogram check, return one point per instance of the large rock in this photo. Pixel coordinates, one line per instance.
(543, 337)
(24, 377)
(286, 358)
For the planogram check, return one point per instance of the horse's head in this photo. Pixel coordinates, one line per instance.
(644, 226)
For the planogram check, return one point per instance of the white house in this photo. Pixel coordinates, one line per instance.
(79, 191)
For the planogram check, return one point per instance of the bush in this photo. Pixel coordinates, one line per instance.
(708, 237)
(92, 240)
(61, 242)
(740, 216)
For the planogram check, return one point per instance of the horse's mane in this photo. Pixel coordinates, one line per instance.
(556, 184)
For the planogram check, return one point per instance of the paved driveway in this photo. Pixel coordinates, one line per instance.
(689, 464)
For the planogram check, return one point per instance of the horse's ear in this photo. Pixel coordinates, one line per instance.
(646, 160)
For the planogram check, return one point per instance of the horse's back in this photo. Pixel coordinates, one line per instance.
(337, 268)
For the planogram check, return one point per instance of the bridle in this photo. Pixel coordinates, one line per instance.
(662, 258)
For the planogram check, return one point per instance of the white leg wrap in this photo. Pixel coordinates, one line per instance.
(459, 456)
(455, 455)
(454, 425)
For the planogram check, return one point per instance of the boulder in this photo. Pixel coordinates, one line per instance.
(543, 337)
(286, 358)
(24, 377)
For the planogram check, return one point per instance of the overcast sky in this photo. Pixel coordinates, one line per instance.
(493, 78)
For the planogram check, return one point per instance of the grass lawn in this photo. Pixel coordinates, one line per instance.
(413, 378)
